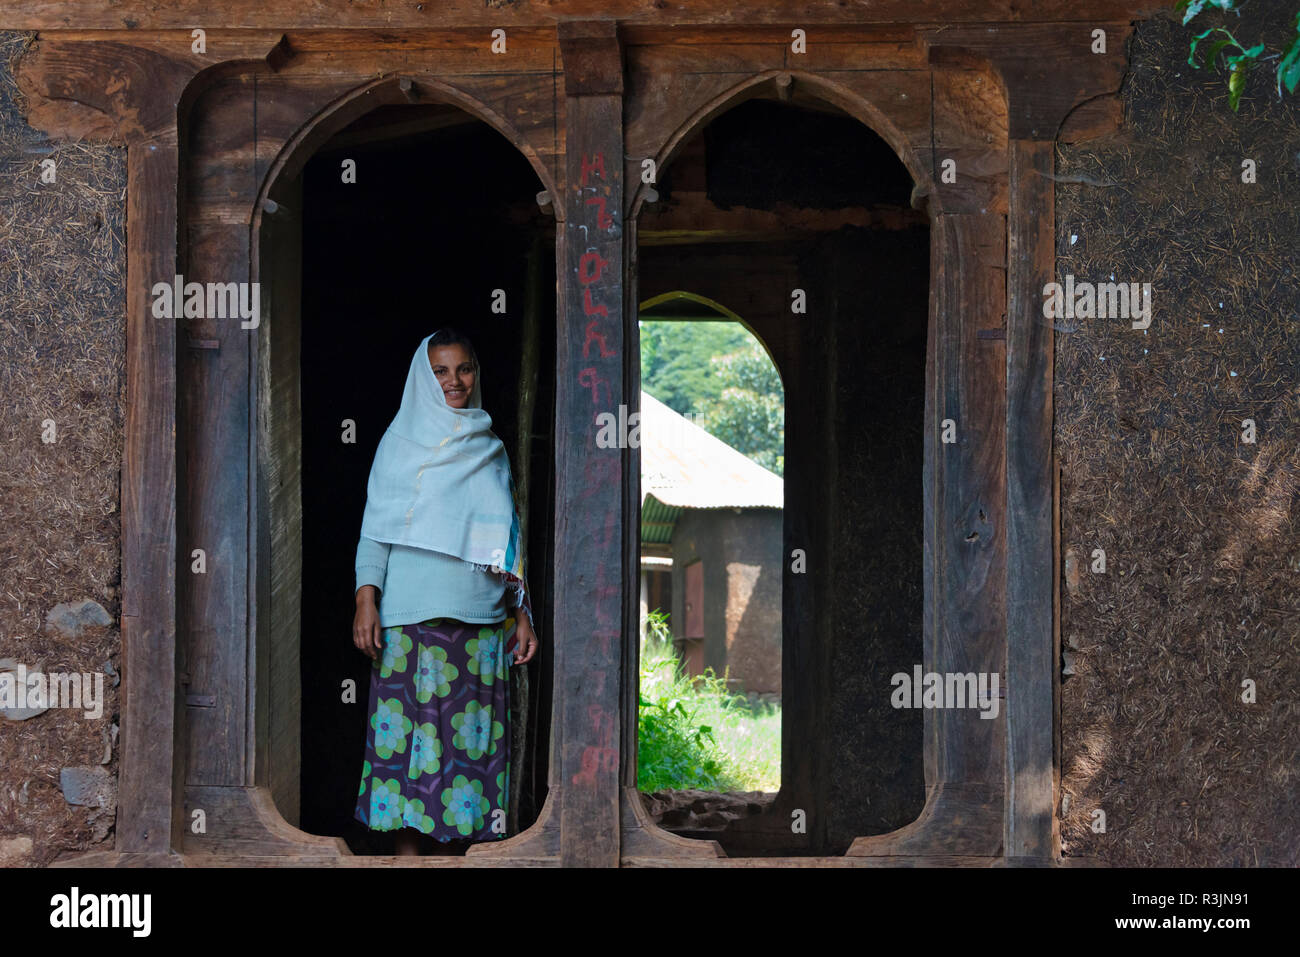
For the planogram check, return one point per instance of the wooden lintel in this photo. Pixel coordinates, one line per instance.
(296, 15)
(691, 217)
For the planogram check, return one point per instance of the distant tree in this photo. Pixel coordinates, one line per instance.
(675, 360)
(749, 414)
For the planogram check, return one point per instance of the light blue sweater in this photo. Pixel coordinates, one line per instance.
(417, 584)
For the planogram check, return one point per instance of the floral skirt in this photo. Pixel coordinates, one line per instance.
(438, 742)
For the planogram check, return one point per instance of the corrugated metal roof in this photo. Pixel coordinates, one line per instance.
(657, 519)
(683, 466)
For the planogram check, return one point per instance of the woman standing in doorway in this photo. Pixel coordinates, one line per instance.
(442, 609)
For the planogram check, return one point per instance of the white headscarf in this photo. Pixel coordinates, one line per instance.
(441, 481)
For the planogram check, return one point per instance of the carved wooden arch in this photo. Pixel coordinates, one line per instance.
(406, 88)
(713, 304)
(962, 814)
(861, 108)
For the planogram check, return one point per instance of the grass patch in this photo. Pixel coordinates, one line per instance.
(696, 734)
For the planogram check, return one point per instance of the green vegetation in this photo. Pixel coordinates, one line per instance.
(694, 734)
(1240, 63)
(720, 370)
(675, 360)
(749, 415)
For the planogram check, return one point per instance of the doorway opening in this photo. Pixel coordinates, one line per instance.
(798, 218)
(712, 446)
(411, 218)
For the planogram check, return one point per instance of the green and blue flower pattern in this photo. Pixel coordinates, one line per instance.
(437, 752)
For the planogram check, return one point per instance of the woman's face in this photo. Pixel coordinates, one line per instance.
(454, 371)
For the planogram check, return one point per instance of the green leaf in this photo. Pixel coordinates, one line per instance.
(1191, 56)
(1288, 68)
(1193, 8)
(1236, 84)
(1215, 51)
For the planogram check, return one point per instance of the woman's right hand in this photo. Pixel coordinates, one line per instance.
(365, 625)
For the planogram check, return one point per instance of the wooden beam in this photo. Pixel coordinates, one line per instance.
(309, 14)
(1030, 569)
(589, 495)
(693, 218)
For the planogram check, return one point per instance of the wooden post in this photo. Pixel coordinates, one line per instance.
(589, 496)
(1030, 568)
(1029, 59)
(528, 373)
(150, 775)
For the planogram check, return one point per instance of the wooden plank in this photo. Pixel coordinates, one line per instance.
(1057, 574)
(278, 563)
(529, 373)
(930, 860)
(469, 58)
(1030, 569)
(630, 531)
(214, 502)
(899, 36)
(148, 785)
(589, 496)
(971, 552)
(308, 14)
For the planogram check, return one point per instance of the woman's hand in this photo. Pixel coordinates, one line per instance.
(365, 626)
(525, 639)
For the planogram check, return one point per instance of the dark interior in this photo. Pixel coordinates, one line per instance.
(443, 212)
